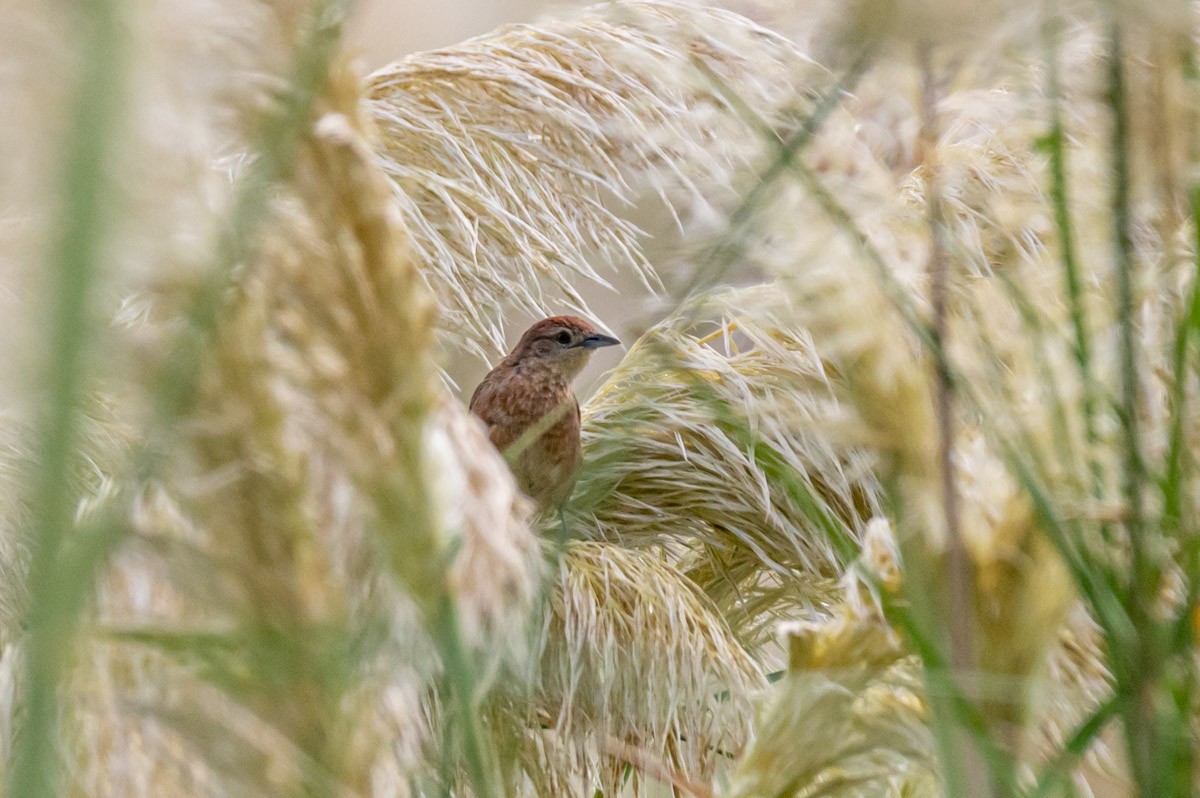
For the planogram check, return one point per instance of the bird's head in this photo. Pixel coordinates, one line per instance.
(560, 344)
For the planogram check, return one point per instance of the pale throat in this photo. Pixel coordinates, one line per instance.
(564, 368)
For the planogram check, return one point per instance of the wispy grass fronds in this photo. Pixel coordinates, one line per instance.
(702, 442)
(882, 380)
(348, 344)
(865, 653)
(351, 346)
(141, 220)
(1020, 601)
(514, 153)
(1077, 682)
(636, 654)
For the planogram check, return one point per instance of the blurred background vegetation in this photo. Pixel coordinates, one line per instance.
(891, 492)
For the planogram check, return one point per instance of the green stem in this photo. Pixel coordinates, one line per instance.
(85, 195)
(1080, 741)
(1179, 466)
(1186, 329)
(1134, 468)
(461, 683)
(1066, 242)
(949, 704)
(960, 579)
(1141, 722)
(1035, 331)
(788, 153)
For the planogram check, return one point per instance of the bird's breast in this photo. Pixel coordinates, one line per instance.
(533, 419)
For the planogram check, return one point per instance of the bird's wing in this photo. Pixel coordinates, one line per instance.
(490, 412)
(473, 404)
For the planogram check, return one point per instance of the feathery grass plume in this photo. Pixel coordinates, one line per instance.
(633, 655)
(1008, 334)
(1087, 375)
(254, 642)
(1110, 474)
(495, 574)
(705, 445)
(858, 333)
(267, 666)
(346, 340)
(854, 684)
(344, 343)
(1041, 342)
(1076, 682)
(848, 718)
(351, 337)
(509, 151)
(462, 551)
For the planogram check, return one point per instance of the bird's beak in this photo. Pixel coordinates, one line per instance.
(597, 340)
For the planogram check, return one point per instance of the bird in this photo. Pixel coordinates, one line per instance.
(531, 413)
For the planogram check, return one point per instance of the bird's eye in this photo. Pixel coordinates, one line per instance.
(563, 338)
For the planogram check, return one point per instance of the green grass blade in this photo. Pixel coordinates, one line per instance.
(1054, 144)
(1059, 769)
(85, 196)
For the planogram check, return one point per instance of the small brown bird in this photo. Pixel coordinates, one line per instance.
(531, 414)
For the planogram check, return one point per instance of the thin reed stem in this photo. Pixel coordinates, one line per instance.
(1059, 195)
(1134, 467)
(1059, 769)
(959, 566)
(1137, 667)
(959, 591)
(461, 683)
(788, 153)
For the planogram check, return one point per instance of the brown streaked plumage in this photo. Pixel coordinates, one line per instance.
(532, 385)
